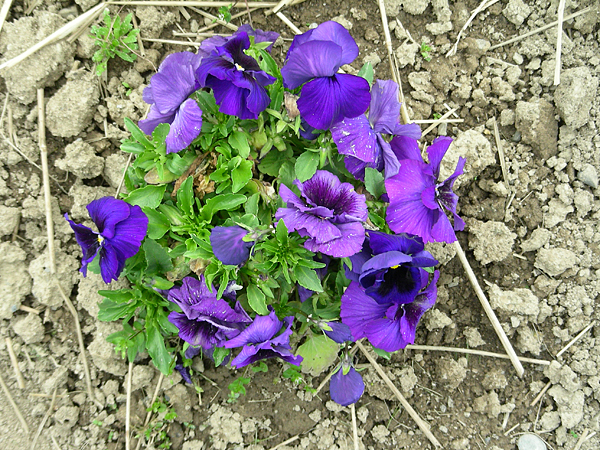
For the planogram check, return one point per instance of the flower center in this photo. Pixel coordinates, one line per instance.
(100, 239)
(238, 67)
(397, 278)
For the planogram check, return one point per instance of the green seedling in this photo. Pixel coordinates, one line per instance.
(425, 49)
(115, 37)
(225, 13)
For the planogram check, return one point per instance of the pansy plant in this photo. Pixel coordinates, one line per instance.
(253, 223)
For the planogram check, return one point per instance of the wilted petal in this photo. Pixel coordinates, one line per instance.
(355, 137)
(228, 245)
(325, 101)
(107, 212)
(346, 389)
(185, 127)
(358, 309)
(310, 60)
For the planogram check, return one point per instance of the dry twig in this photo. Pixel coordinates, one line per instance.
(437, 122)
(14, 405)
(576, 338)
(149, 413)
(44, 420)
(559, 33)
(471, 351)
(582, 439)
(541, 394)
(15, 363)
(500, 153)
(198, 4)
(289, 441)
(4, 12)
(288, 22)
(354, 427)
(483, 5)
(128, 408)
(424, 426)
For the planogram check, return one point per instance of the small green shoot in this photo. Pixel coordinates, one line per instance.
(115, 38)
(425, 49)
(225, 13)
(437, 116)
(237, 389)
(126, 86)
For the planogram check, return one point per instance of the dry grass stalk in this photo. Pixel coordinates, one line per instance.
(198, 4)
(282, 4)
(288, 22)
(559, 33)
(128, 408)
(354, 427)
(471, 351)
(29, 310)
(289, 441)
(15, 363)
(483, 5)
(59, 34)
(583, 436)
(424, 426)
(149, 413)
(50, 228)
(120, 186)
(172, 42)
(14, 405)
(500, 153)
(44, 420)
(437, 122)
(576, 338)
(541, 394)
(215, 19)
(489, 311)
(56, 446)
(213, 25)
(139, 37)
(539, 30)
(4, 12)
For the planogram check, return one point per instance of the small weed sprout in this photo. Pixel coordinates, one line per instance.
(156, 431)
(115, 38)
(225, 13)
(236, 389)
(425, 49)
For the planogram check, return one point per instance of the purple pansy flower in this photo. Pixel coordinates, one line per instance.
(237, 82)
(337, 331)
(388, 326)
(313, 61)
(228, 245)
(389, 267)
(418, 200)
(205, 321)
(346, 385)
(361, 139)
(168, 94)
(329, 214)
(121, 229)
(264, 339)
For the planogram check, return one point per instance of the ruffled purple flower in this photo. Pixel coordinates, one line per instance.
(418, 200)
(263, 339)
(228, 245)
(361, 139)
(388, 326)
(236, 79)
(121, 229)
(330, 214)
(389, 267)
(346, 385)
(168, 93)
(205, 321)
(313, 61)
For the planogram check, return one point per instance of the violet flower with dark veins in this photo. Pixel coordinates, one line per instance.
(228, 245)
(389, 266)
(236, 79)
(121, 229)
(312, 62)
(264, 338)
(168, 94)
(361, 138)
(418, 200)
(204, 320)
(346, 385)
(330, 214)
(388, 326)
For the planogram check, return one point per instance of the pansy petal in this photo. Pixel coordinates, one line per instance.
(88, 241)
(350, 242)
(231, 99)
(383, 242)
(130, 233)
(346, 389)
(185, 127)
(192, 292)
(192, 331)
(228, 245)
(325, 101)
(261, 329)
(357, 167)
(397, 285)
(172, 85)
(411, 130)
(111, 262)
(390, 160)
(384, 109)
(428, 198)
(436, 152)
(323, 230)
(340, 332)
(311, 60)
(153, 119)
(107, 212)
(235, 48)
(257, 100)
(405, 147)
(415, 310)
(442, 230)
(358, 310)
(355, 137)
(387, 335)
(259, 35)
(334, 32)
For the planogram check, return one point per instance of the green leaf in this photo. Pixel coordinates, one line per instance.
(148, 196)
(225, 202)
(157, 258)
(366, 72)
(178, 164)
(251, 206)
(262, 367)
(241, 175)
(156, 348)
(306, 165)
(281, 233)
(385, 355)
(271, 163)
(158, 224)
(318, 353)
(160, 133)
(256, 300)
(110, 310)
(185, 197)
(308, 278)
(137, 134)
(206, 101)
(239, 141)
(374, 182)
(219, 355)
(118, 295)
(287, 173)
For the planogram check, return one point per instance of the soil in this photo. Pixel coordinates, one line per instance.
(532, 237)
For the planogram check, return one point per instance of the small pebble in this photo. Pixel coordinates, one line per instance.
(530, 442)
(588, 175)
